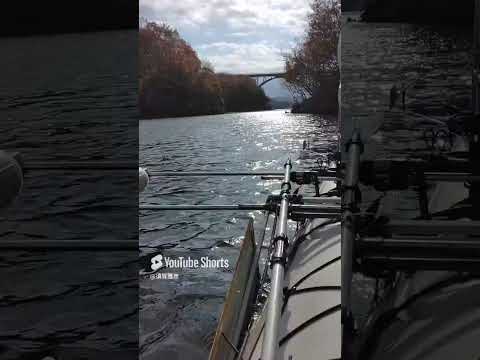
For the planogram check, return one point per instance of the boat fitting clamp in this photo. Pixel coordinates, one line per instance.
(279, 259)
(352, 206)
(356, 141)
(286, 187)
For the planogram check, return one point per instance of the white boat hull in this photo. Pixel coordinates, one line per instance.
(430, 315)
(310, 326)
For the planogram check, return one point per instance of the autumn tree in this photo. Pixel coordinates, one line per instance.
(173, 81)
(241, 93)
(314, 61)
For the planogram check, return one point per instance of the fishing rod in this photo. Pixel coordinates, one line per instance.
(212, 173)
(79, 165)
(299, 177)
(206, 207)
(294, 210)
(13, 169)
(83, 245)
(298, 202)
(331, 173)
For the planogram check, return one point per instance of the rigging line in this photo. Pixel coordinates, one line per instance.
(386, 318)
(80, 165)
(309, 322)
(265, 268)
(70, 245)
(262, 278)
(381, 123)
(267, 217)
(292, 292)
(227, 340)
(303, 237)
(256, 342)
(315, 271)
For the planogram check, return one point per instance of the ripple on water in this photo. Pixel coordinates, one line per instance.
(260, 141)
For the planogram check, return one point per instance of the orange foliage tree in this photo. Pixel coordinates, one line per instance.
(172, 79)
(315, 58)
(241, 93)
(174, 82)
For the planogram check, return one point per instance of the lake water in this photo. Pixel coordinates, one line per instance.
(69, 98)
(178, 317)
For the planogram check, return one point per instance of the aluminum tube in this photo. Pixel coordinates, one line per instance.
(328, 209)
(313, 215)
(476, 61)
(274, 310)
(450, 177)
(322, 200)
(206, 207)
(348, 222)
(316, 208)
(432, 227)
(212, 173)
(379, 244)
(109, 245)
(275, 299)
(278, 177)
(79, 165)
(422, 263)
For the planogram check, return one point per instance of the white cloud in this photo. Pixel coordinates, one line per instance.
(236, 36)
(239, 14)
(242, 58)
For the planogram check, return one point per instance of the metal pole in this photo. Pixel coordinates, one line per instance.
(277, 262)
(320, 178)
(450, 177)
(79, 165)
(308, 208)
(84, 245)
(322, 175)
(334, 200)
(429, 227)
(476, 61)
(212, 173)
(206, 207)
(475, 126)
(350, 184)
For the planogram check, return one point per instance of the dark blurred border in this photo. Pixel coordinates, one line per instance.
(68, 92)
(20, 18)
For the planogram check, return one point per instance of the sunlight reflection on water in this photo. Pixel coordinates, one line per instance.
(257, 141)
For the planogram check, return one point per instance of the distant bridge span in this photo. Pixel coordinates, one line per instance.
(263, 78)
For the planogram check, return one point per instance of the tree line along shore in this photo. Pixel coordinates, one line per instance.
(174, 81)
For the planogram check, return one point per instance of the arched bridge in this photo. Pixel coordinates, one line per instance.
(263, 78)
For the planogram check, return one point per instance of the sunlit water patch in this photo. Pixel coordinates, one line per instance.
(257, 141)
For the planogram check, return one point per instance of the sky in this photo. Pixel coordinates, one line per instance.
(236, 36)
